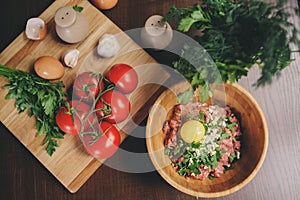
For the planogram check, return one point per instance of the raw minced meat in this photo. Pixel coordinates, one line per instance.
(218, 149)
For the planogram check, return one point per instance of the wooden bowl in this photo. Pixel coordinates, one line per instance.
(253, 149)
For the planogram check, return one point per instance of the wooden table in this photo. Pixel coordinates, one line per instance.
(23, 177)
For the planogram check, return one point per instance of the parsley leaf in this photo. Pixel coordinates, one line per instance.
(237, 35)
(186, 96)
(78, 8)
(43, 99)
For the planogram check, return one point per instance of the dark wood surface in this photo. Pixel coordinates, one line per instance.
(23, 177)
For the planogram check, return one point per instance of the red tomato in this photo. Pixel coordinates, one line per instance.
(87, 86)
(124, 77)
(65, 122)
(113, 106)
(70, 121)
(107, 142)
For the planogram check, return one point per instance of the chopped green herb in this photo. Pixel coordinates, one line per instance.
(231, 126)
(225, 135)
(232, 157)
(201, 116)
(190, 159)
(188, 116)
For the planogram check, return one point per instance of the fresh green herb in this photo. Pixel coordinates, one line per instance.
(78, 8)
(41, 97)
(201, 116)
(190, 159)
(232, 157)
(237, 35)
(185, 97)
(225, 135)
(231, 126)
(188, 116)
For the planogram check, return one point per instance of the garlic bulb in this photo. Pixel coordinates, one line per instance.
(108, 46)
(35, 29)
(70, 58)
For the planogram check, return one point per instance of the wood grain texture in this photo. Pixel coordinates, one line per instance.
(254, 143)
(22, 176)
(70, 164)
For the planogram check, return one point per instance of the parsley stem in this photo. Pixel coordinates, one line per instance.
(295, 51)
(41, 97)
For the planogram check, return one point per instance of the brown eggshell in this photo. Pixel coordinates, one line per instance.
(43, 32)
(105, 4)
(49, 68)
(36, 29)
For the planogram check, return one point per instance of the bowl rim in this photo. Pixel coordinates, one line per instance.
(229, 190)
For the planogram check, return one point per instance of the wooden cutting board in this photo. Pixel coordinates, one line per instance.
(70, 164)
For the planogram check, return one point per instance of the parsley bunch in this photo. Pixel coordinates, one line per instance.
(237, 35)
(41, 97)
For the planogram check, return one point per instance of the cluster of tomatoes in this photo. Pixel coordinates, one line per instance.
(98, 103)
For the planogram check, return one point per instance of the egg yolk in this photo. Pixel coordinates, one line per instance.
(192, 131)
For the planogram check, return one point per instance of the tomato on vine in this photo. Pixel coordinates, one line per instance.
(87, 86)
(102, 141)
(73, 115)
(124, 77)
(113, 106)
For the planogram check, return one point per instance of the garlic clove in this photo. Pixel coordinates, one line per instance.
(70, 58)
(108, 46)
(36, 29)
